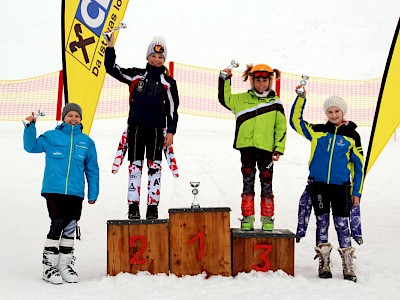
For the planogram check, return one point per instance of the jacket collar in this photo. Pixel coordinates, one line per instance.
(67, 128)
(271, 94)
(154, 72)
(345, 125)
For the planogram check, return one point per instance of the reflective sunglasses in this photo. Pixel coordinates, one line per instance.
(263, 74)
(158, 49)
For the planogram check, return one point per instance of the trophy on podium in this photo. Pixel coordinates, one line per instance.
(234, 64)
(195, 191)
(107, 35)
(303, 82)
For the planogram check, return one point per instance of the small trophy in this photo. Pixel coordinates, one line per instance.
(234, 64)
(39, 113)
(195, 191)
(107, 35)
(303, 82)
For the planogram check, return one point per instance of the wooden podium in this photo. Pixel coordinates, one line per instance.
(200, 241)
(262, 251)
(137, 245)
(195, 241)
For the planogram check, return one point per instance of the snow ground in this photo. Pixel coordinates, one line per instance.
(337, 39)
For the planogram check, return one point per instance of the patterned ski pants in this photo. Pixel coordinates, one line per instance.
(153, 184)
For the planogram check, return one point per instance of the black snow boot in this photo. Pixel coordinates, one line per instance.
(134, 213)
(152, 212)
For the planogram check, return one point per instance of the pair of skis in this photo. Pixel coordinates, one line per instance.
(304, 212)
(123, 148)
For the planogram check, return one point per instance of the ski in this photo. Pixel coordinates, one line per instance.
(304, 212)
(303, 215)
(123, 148)
(355, 223)
(170, 157)
(121, 152)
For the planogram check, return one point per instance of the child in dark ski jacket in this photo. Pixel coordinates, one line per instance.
(335, 179)
(260, 137)
(153, 107)
(70, 156)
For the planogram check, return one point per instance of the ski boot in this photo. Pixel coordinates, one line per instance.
(247, 223)
(152, 212)
(67, 260)
(50, 271)
(267, 223)
(323, 252)
(134, 213)
(347, 255)
(65, 264)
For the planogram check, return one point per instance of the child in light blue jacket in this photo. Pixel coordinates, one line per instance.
(70, 156)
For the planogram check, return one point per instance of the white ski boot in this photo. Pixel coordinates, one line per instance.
(67, 260)
(50, 272)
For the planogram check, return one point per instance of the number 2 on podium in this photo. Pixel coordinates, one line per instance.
(135, 259)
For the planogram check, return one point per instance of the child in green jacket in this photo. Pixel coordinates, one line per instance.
(260, 137)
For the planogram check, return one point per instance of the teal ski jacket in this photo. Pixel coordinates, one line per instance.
(70, 156)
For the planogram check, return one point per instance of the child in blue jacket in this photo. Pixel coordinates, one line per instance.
(70, 156)
(335, 179)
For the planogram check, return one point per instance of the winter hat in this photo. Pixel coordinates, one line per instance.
(157, 45)
(335, 101)
(71, 107)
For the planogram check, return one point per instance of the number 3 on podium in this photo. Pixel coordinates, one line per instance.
(263, 257)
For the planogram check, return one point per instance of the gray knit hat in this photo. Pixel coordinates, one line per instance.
(71, 107)
(157, 45)
(335, 101)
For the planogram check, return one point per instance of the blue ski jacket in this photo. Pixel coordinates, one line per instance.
(336, 152)
(70, 156)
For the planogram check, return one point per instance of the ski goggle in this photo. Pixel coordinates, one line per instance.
(158, 49)
(261, 74)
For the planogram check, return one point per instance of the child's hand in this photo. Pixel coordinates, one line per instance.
(168, 140)
(228, 71)
(91, 202)
(225, 74)
(355, 200)
(111, 42)
(31, 118)
(304, 89)
(275, 156)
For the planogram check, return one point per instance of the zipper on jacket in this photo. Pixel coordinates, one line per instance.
(329, 145)
(69, 159)
(330, 156)
(145, 86)
(155, 90)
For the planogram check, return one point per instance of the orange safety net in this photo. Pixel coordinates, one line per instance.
(198, 94)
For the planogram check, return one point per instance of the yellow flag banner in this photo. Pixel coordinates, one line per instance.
(387, 116)
(83, 22)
